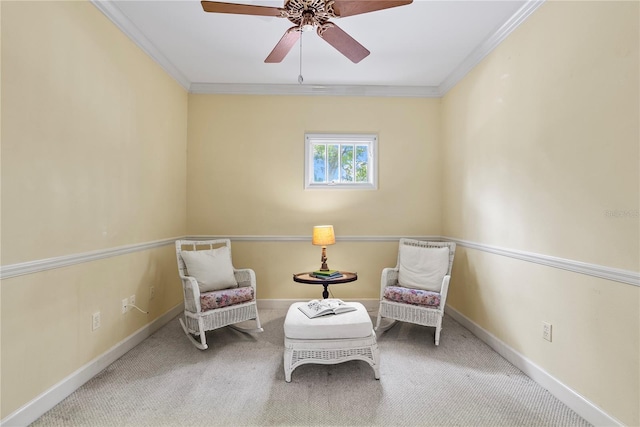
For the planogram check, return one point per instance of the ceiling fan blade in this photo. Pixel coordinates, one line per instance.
(344, 8)
(343, 42)
(242, 9)
(284, 45)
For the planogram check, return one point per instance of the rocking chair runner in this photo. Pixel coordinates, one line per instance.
(415, 290)
(215, 293)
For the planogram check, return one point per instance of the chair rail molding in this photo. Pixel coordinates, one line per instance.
(601, 271)
(30, 267)
(604, 272)
(596, 270)
(294, 238)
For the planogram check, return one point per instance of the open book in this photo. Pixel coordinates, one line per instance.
(320, 307)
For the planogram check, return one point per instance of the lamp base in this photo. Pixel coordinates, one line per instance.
(323, 259)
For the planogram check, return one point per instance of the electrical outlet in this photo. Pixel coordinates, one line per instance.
(152, 292)
(95, 320)
(546, 331)
(125, 304)
(132, 302)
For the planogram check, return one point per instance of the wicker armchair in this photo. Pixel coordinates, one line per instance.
(415, 290)
(206, 309)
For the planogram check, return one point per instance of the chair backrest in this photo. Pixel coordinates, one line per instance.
(195, 245)
(427, 244)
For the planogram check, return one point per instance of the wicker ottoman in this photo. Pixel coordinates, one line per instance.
(330, 339)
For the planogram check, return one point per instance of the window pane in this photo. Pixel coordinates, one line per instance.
(347, 163)
(340, 161)
(319, 173)
(333, 160)
(362, 160)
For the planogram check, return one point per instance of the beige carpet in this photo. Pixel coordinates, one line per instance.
(239, 381)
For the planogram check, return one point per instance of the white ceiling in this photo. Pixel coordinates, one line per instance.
(421, 49)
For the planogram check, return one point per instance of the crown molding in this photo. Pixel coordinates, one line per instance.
(488, 45)
(111, 11)
(316, 90)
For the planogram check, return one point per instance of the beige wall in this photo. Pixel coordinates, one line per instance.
(245, 177)
(93, 157)
(529, 152)
(541, 142)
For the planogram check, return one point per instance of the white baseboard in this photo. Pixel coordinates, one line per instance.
(56, 394)
(34, 409)
(47, 400)
(569, 397)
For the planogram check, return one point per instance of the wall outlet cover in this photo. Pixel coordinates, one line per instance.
(546, 331)
(95, 321)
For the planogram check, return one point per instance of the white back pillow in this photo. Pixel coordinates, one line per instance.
(423, 268)
(211, 268)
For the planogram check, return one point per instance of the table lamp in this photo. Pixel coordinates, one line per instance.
(323, 235)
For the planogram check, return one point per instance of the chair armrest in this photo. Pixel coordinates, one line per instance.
(245, 277)
(191, 294)
(444, 290)
(389, 278)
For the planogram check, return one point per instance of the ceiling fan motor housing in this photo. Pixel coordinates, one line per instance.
(308, 12)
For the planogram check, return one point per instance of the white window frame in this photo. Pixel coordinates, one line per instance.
(371, 140)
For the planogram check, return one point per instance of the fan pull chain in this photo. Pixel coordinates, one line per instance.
(300, 79)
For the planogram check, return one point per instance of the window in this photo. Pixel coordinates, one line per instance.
(340, 161)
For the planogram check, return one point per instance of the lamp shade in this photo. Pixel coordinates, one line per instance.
(323, 235)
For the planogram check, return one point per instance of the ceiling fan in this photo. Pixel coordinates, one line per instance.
(310, 14)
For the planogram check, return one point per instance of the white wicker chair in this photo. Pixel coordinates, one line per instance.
(406, 312)
(196, 321)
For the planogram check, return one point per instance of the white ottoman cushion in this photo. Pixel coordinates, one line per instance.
(353, 324)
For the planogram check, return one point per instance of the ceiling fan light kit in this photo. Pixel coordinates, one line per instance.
(307, 15)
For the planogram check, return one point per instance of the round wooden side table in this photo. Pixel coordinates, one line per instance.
(307, 278)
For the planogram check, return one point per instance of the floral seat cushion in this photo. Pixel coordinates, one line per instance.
(225, 297)
(419, 297)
